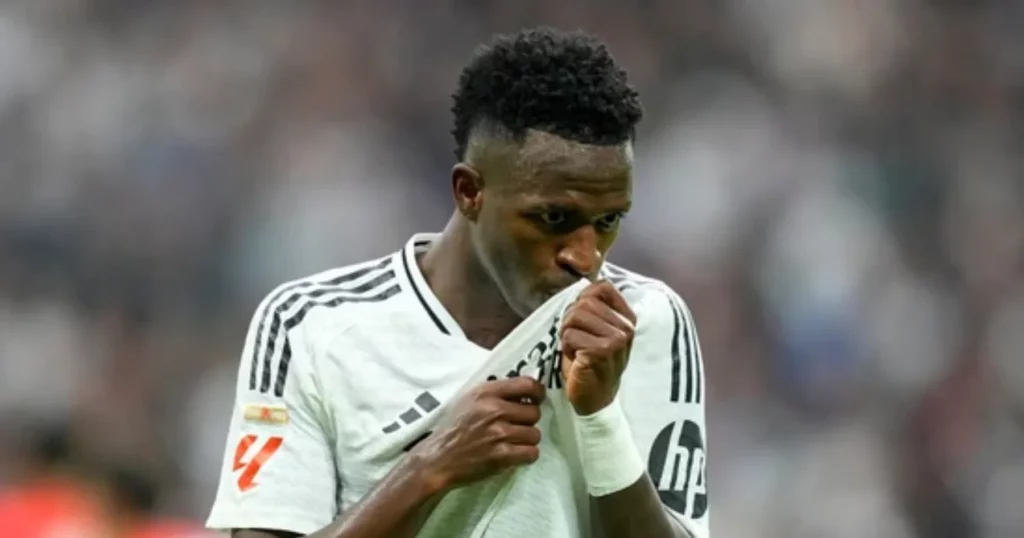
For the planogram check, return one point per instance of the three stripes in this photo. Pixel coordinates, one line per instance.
(424, 404)
(376, 281)
(682, 332)
(285, 309)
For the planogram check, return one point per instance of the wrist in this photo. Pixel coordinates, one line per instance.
(426, 480)
(611, 461)
(590, 407)
(592, 404)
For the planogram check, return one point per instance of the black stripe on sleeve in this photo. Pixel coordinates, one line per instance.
(676, 360)
(698, 360)
(683, 330)
(275, 326)
(270, 310)
(296, 319)
(694, 377)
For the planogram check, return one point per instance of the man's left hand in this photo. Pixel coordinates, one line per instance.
(596, 336)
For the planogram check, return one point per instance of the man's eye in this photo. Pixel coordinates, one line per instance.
(553, 218)
(609, 222)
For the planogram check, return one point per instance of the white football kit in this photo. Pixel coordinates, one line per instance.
(341, 371)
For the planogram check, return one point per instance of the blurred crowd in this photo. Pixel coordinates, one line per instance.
(836, 187)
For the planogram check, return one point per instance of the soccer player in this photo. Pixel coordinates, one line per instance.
(334, 364)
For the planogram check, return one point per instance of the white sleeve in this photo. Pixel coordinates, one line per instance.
(279, 470)
(663, 394)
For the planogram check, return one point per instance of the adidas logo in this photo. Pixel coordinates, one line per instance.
(424, 404)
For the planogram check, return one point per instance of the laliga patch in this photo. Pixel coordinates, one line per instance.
(266, 414)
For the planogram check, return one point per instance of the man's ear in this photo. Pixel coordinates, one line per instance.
(468, 190)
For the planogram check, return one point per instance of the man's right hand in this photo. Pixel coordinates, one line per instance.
(489, 430)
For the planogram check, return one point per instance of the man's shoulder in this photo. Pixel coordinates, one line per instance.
(333, 292)
(666, 339)
(650, 297)
(637, 287)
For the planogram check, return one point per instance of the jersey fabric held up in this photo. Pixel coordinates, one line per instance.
(335, 363)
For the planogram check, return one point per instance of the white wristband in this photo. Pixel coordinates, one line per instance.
(611, 461)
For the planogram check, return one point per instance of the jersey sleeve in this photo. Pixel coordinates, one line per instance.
(663, 395)
(278, 471)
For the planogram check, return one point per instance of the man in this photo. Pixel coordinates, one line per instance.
(335, 363)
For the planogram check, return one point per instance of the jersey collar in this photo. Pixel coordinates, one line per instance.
(437, 313)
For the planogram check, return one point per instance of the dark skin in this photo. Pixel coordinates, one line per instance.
(532, 218)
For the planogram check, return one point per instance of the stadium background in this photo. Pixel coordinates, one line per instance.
(834, 186)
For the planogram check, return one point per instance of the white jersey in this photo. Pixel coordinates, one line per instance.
(336, 364)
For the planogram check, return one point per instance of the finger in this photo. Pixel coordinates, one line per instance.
(607, 293)
(599, 319)
(574, 339)
(512, 455)
(515, 389)
(517, 413)
(517, 434)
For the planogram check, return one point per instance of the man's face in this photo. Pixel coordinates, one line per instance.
(552, 217)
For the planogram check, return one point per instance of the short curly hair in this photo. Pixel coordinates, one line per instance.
(562, 83)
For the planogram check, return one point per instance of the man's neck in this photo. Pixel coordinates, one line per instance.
(463, 286)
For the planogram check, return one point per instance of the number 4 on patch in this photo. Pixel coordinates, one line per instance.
(247, 480)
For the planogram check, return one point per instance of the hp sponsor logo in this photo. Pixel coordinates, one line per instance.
(677, 468)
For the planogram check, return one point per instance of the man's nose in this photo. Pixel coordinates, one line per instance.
(579, 254)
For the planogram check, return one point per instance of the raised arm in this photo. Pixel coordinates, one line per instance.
(662, 395)
(641, 423)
